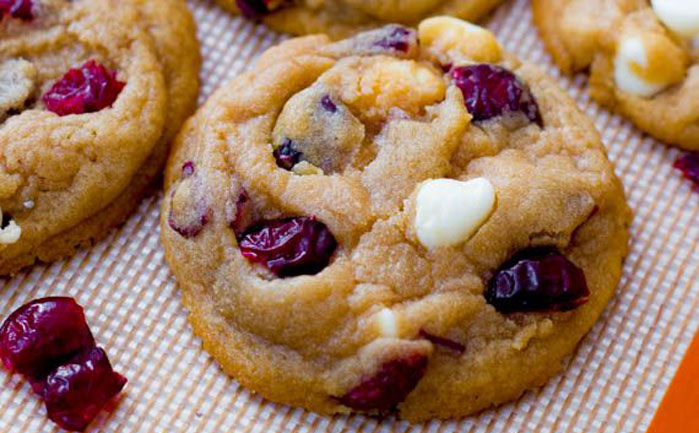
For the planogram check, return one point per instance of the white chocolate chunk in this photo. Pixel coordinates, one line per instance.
(459, 40)
(632, 51)
(449, 211)
(387, 323)
(680, 16)
(10, 234)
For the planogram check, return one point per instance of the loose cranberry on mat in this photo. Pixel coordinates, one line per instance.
(49, 342)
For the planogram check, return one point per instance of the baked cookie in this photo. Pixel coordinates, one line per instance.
(379, 224)
(91, 94)
(643, 58)
(340, 18)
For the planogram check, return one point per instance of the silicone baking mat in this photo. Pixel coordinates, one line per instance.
(613, 383)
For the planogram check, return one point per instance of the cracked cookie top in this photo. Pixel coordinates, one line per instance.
(406, 220)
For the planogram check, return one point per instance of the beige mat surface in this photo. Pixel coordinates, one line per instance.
(613, 383)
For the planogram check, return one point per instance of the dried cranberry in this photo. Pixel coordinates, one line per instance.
(491, 91)
(20, 9)
(444, 342)
(42, 334)
(77, 391)
(256, 9)
(399, 38)
(689, 165)
(87, 89)
(290, 246)
(328, 104)
(389, 386)
(286, 155)
(537, 280)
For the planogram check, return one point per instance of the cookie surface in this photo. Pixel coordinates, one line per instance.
(340, 18)
(345, 220)
(91, 95)
(642, 56)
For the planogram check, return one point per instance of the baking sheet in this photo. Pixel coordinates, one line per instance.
(613, 383)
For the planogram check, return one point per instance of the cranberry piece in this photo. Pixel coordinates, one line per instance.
(537, 280)
(20, 9)
(689, 165)
(490, 91)
(188, 169)
(399, 38)
(256, 9)
(42, 334)
(328, 104)
(87, 89)
(389, 386)
(290, 246)
(286, 155)
(77, 391)
(444, 342)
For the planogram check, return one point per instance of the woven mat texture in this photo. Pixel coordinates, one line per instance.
(613, 383)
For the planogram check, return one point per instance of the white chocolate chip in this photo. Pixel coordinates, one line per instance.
(10, 234)
(449, 211)
(680, 16)
(387, 323)
(632, 51)
(451, 39)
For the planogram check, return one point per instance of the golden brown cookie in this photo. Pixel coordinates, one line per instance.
(340, 18)
(642, 56)
(381, 225)
(91, 94)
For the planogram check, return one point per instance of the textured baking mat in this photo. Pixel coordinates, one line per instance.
(613, 383)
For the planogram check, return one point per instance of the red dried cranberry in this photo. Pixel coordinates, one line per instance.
(389, 386)
(20, 9)
(88, 89)
(689, 165)
(537, 280)
(491, 91)
(42, 334)
(286, 156)
(290, 246)
(399, 38)
(328, 104)
(444, 342)
(256, 9)
(77, 391)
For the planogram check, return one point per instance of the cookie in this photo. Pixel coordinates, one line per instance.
(91, 95)
(341, 18)
(642, 56)
(382, 225)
